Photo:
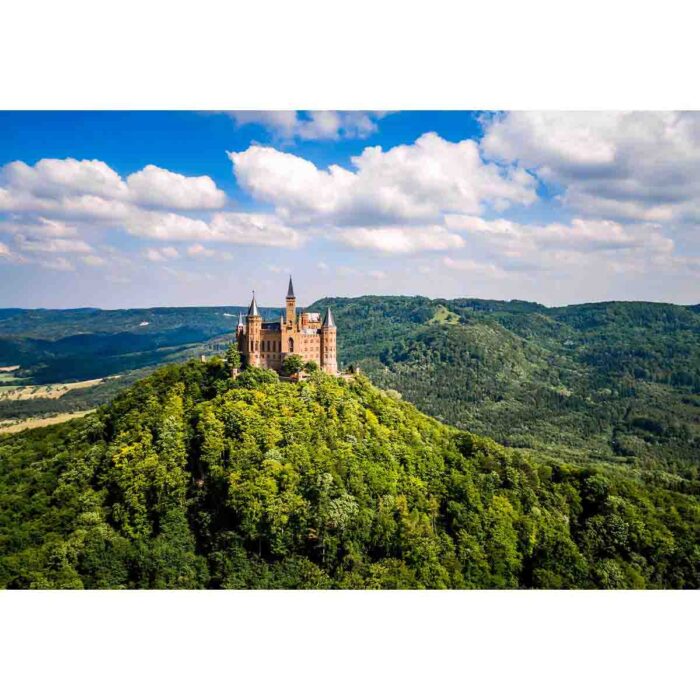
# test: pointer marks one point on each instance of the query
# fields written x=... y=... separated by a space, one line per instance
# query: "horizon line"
x=362 y=296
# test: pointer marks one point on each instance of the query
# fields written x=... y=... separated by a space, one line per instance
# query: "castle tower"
x=266 y=343
x=240 y=335
x=254 y=333
x=291 y=303
x=329 y=361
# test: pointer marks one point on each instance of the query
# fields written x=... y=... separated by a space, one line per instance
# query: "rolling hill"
x=190 y=479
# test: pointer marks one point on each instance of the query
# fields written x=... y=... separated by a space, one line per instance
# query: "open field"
x=443 y=316
x=29 y=423
x=9 y=378
x=9 y=369
x=44 y=391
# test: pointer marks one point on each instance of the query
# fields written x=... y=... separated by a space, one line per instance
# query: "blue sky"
x=118 y=209
x=195 y=143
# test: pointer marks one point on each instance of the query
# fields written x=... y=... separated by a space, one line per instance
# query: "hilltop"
x=189 y=479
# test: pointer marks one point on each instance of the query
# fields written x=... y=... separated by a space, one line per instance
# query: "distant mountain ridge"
x=615 y=383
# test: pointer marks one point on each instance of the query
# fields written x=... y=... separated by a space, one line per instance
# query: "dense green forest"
x=190 y=479
x=609 y=384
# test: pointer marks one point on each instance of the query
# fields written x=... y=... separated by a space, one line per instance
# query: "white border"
x=264 y=644
x=363 y=55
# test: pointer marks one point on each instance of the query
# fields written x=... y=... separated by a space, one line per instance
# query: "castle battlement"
x=266 y=343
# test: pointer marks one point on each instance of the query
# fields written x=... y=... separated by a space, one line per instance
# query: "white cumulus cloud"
x=416 y=182
x=254 y=229
x=54 y=178
x=154 y=186
x=40 y=226
x=626 y=165
x=91 y=189
x=580 y=234
x=399 y=240
x=224 y=227
x=166 y=226
x=312 y=125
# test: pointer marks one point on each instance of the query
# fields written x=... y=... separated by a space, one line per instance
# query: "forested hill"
x=614 y=383
x=189 y=479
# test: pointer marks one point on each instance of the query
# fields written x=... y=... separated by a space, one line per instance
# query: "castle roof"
x=240 y=319
x=253 y=308
x=328 y=320
x=290 y=290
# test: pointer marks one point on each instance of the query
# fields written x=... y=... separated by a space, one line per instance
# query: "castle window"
x=291 y=345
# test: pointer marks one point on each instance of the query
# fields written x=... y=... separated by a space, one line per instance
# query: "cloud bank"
x=539 y=196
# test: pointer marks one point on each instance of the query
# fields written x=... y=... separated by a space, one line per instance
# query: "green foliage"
x=233 y=357
x=311 y=367
x=292 y=364
x=256 y=376
x=190 y=479
x=612 y=384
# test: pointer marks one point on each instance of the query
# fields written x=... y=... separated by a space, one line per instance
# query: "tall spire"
x=240 y=319
x=253 y=308
x=290 y=290
x=328 y=320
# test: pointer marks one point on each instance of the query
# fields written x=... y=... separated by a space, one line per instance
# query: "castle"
x=266 y=344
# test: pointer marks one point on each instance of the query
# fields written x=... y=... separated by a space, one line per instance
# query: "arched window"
x=291 y=345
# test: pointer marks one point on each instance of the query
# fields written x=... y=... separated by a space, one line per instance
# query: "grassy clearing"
x=29 y=423
x=44 y=391
x=443 y=316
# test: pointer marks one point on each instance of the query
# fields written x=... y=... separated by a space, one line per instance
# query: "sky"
x=139 y=209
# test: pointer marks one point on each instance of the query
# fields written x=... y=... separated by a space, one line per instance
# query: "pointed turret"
x=290 y=304
x=328 y=320
x=329 y=360
x=253 y=308
x=240 y=320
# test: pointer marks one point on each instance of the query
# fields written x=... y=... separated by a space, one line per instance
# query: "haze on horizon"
x=143 y=209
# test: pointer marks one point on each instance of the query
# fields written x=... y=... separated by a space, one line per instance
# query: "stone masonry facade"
x=266 y=344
